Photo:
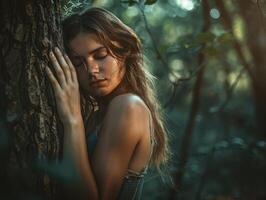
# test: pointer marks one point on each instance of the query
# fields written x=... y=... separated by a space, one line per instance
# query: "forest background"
x=208 y=57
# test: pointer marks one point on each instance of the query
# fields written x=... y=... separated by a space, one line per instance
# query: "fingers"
x=65 y=71
x=72 y=69
x=64 y=65
x=52 y=79
x=59 y=72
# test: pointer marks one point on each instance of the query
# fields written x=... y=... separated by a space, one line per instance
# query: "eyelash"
x=96 y=57
x=100 y=57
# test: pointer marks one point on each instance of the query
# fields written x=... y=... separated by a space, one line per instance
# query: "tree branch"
x=186 y=142
x=227 y=23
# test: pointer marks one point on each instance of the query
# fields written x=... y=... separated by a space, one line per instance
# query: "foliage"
x=70 y=7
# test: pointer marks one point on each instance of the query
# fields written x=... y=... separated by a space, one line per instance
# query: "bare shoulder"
x=127 y=113
x=129 y=103
x=127 y=118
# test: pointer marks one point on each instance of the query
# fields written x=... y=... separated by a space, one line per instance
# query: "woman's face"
x=98 y=71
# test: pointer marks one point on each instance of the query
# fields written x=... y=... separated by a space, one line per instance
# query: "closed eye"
x=100 y=54
x=100 y=57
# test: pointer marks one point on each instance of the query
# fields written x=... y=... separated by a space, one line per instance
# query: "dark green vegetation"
x=209 y=60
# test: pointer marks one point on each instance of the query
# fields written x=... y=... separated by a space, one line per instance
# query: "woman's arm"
x=125 y=121
x=66 y=90
x=75 y=151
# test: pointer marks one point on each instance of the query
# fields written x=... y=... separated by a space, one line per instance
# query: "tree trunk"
x=28 y=121
x=196 y=98
x=253 y=13
x=254 y=17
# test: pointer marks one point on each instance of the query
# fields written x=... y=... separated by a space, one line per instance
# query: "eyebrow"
x=97 y=49
x=91 y=52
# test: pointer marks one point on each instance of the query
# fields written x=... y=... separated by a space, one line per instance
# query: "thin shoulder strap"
x=152 y=137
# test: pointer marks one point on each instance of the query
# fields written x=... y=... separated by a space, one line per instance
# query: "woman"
x=104 y=97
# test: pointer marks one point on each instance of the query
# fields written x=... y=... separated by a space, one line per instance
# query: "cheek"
x=111 y=68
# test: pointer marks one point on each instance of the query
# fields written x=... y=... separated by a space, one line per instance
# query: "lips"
x=97 y=82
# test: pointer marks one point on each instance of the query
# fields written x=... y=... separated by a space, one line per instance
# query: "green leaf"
x=150 y=2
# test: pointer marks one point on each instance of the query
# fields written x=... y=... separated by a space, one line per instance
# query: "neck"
x=104 y=101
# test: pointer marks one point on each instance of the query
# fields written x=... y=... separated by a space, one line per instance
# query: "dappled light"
x=185 y=4
x=208 y=58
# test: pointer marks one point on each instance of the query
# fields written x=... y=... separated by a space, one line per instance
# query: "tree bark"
x=28 y=30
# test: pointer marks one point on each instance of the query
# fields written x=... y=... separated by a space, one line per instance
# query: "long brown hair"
x=112 y=31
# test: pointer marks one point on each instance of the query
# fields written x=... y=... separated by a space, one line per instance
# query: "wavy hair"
x=112 y=31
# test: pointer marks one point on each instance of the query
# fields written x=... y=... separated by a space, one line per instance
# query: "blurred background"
x=209 y=60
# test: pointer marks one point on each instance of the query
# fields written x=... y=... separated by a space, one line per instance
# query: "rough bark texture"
x=28 y=123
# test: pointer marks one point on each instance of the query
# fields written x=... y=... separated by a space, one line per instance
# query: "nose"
x=92 y=66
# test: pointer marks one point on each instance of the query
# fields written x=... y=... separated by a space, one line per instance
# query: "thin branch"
x=231 y=90
x=227 y=23
x=180 y=80
x=186 y=141
x=159 y=55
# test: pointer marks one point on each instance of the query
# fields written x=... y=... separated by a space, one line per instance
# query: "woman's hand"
x=65 y=86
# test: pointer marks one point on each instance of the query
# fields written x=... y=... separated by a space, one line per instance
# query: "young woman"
x=112 y=127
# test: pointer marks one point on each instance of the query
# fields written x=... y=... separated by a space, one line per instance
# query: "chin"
x=100 y=92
